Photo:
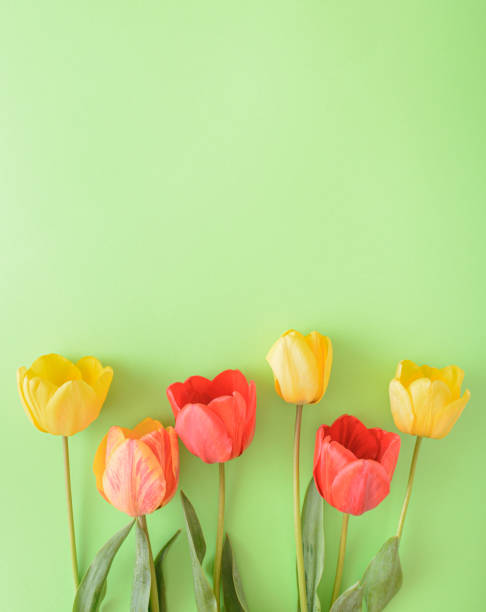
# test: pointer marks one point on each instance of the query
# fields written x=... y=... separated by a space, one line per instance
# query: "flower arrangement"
x=137 y=470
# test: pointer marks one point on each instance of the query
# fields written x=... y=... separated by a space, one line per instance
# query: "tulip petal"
x=249 y=431
x=32 y=411
x=321 y=346
x=329 y=459
x=145 y=427
x=359 y=487
x=401 y=407
x=227 y=382
x=196 y=389
x=389 y=448
x=232 y=412
x=295 y=368
x=72 y=408
x=96 y=375
x=354 y=436
x=428 y=400
x=172 y=476
x=133 y=480
x=54 y=368
x=449 y=415
x=99 y=465
x=453 y=376
x=215 y=445
x=39 y=393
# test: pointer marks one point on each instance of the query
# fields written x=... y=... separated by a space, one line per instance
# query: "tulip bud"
x=301 y=366
x=427 y=401
x=62 y=398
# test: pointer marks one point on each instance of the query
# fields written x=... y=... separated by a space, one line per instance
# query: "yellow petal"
x=406 y=370
x=429 y=398
x=295 y=369
x=321 y=346
x=99 y=464
x=31 y=411
x=452 y=376
x=72 y=408
x=54 y=368
x=449 y=415
x=96 y=375
x=401 y=407
x=145 y=427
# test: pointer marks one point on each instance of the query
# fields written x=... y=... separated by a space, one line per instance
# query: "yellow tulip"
x=62 y=398
x=427 y=401
x=301 y=366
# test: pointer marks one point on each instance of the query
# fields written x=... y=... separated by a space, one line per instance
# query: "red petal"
x=389 y=448
x=195 y=390
x=249 y=429
x=331 y=457
x=227 y=382
x=360 y=486
x=204 y=433
x=351 y=433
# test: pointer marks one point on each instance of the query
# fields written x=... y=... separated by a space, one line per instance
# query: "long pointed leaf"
x=141 y=574
x=205 y=600
x=234 y=597
x=350 y=601
x=383 y=577
x=91 y=590
x=159 y=571
x=313 y=544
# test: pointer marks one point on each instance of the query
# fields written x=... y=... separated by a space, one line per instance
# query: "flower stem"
x=340 y=562
x=219 y=537
x=408 y=494
x=154 y=594
x=297 y=519
x=69 y=498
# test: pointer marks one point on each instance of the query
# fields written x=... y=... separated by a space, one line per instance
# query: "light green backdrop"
x=180 y=182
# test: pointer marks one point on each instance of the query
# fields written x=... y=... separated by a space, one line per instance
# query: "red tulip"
x=215 y=419
x=353 y=465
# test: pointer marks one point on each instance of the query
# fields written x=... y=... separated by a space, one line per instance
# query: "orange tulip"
x=137 y=470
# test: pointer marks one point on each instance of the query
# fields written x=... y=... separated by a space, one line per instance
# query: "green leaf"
x=313 y=544
x=234 y=598
x=141 y=574
x=205 y=600
x=383 y=576
x=349 y=601
x=91 y=591
x=159 y=573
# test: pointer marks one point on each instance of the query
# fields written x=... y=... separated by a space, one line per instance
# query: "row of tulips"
x=137 y=470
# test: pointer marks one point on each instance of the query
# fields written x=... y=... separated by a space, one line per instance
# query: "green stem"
x=297 y=520
x=69 y=498
x=340 y=562
x=219 y=537
x=408 y=494
x=154 y=594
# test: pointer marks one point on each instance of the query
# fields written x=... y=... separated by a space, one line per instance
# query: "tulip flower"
x=425 y=402
x=353 y=468
x=215 y=420
x=137 y=470
x=62 y=399
x=353 y=465
x=301 y=368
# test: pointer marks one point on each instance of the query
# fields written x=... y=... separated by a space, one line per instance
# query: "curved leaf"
x=313 y=544
x=205 y=600
x=350 y=601
x=234 y=597
x=383 y=577
x=91 y=591
x=141 y=574
x=159 y=573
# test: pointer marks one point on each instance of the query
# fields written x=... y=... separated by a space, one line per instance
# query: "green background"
x=180 y=182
